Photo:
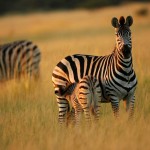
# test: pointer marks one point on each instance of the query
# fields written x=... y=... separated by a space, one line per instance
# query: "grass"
x=28 y=116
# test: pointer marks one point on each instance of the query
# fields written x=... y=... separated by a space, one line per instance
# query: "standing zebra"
x=114 y=72
x=85 y=96
x=20 y=58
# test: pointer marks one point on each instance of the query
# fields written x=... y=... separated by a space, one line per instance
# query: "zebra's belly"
x=120 y=94
x=104 y=100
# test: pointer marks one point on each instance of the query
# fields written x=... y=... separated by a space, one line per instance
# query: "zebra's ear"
x=129 y=21
x=114 y=22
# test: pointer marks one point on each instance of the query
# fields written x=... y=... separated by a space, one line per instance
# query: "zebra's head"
x=123 y=35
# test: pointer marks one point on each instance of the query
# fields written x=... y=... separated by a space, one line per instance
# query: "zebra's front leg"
x=115 y=107
x=63 y=105
x=129 y=104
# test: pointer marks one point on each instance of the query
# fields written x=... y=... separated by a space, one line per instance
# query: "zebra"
x=85 y=96
x=114 y=72
x=19 y=58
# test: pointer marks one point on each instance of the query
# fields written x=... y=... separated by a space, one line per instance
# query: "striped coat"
x=114 y=72
x=85 y=96
x=19 y=58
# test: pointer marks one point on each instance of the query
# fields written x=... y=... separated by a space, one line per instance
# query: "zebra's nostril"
x=126 y=46
x=126 y=50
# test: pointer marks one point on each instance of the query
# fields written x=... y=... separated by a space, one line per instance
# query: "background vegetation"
x=28 y=110
x=9 y=6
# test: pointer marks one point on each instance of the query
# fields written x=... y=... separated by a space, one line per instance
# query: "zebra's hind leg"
x=71 y=117
x=87 y=114
x=84 y=103
x=97 y=104
x=77 y=109
x=63 y=109
x=97 y=112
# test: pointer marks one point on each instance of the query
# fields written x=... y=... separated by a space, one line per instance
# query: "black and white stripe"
x=85 y=96
x=19 y=58
x=114 y=72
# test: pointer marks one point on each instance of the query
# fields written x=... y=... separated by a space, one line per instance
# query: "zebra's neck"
x=122 y=63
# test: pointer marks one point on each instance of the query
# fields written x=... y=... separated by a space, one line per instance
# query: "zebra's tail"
x=64 y=91
x=59 y=90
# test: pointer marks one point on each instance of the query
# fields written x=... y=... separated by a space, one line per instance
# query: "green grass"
x=28 y=110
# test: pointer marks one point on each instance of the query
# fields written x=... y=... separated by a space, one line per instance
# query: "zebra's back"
x=73 y=68
x=19 y=58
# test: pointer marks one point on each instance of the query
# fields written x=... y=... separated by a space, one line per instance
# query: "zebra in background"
x=20 y=58
x=85 y=96
x=114 y=72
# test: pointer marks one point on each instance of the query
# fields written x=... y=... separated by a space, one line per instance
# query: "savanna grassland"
x=28 y=110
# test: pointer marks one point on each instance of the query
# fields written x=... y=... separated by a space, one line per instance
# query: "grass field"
x=28 y=115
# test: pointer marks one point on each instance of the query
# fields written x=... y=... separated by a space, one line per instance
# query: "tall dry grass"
x=28 y=115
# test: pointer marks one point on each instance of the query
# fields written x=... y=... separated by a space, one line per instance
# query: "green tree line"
x=8 y=6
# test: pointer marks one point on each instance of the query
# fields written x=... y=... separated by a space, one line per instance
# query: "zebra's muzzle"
x=126 y=51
